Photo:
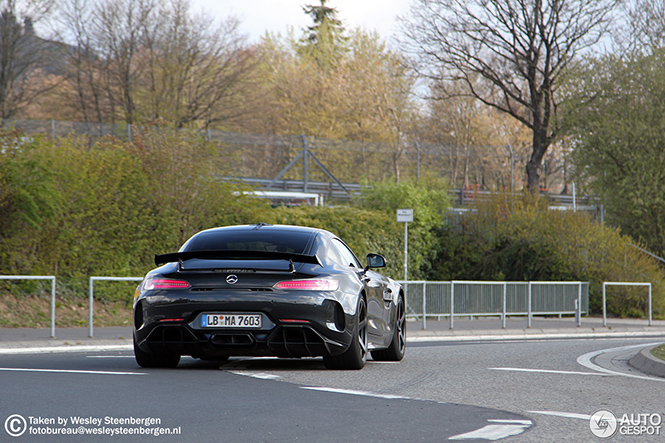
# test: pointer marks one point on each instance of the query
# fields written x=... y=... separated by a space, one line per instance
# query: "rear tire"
x=356 y=356
x=146 y=360
x=395 y=351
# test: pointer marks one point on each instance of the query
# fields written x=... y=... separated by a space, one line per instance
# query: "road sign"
x=405 y=215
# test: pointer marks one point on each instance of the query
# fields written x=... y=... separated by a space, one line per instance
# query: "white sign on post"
x=405 y=216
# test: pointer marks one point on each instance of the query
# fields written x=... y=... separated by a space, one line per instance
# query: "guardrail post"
x=39 y=277
x=528 y=307
x=503 y=313
x=424 y=305
x=577 y=312
x=650 y=307
x=579 y=305
x=90 y=309
x=604 y=305
x=452 y=304
x=53 y=307
x=91 y=295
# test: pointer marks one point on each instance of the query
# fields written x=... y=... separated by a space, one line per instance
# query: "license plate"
x=252 y=321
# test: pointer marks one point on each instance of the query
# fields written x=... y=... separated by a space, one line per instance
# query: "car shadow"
x=273 y=364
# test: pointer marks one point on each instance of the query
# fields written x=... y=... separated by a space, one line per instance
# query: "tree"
x=619 y=141
x=645 y=26
x=25 y=59
x=325 y=41
x=197 y=71
x=509 y=54
x=139 y=60
x=83 y=64
x=364 y=95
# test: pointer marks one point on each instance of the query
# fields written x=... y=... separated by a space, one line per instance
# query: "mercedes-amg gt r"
x=264 y=290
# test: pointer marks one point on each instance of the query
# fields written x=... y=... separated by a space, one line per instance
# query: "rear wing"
x=161 y=259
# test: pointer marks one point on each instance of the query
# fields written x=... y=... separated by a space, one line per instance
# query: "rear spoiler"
x=161 y=259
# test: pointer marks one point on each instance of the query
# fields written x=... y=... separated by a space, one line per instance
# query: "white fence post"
x=53 y=307
x=650 y=308
x=39 y=277
x=503 y=303
x=528 y=314
x=91 y=295
x=604 y=305
x=579 y=305
x=452 y=304
x=424 y=305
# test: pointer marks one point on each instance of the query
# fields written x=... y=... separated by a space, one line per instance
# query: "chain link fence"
x=264 y=155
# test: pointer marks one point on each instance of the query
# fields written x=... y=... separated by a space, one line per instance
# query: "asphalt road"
x=539 y=390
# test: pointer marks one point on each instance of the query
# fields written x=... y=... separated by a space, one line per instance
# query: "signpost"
x=405 y=216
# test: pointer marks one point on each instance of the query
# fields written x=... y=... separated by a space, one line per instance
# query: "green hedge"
x=71 y=210
x=519 y=239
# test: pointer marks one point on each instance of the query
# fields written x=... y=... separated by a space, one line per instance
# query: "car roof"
x=269 y=227
x=288 y=237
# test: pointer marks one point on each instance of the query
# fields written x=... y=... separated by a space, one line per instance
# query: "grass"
x=659 y=352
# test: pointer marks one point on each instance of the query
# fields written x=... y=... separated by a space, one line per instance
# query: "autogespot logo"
x=15 y=425
x=603 y=424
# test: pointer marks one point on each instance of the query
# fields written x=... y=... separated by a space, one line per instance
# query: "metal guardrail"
x=606 y=284
x=450 y=298
x=91 y=295
x=39 y=277
x=477 y=298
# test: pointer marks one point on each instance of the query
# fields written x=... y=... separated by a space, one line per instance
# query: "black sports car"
x=264 y=290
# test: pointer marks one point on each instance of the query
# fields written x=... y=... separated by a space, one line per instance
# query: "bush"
x=519 y=239
x=118 y=203
x=429 y=201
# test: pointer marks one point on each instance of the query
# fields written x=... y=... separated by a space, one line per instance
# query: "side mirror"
x=375 y=261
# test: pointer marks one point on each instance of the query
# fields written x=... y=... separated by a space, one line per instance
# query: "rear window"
x=293 y=242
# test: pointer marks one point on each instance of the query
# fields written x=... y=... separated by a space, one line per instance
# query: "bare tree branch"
x=509 y=54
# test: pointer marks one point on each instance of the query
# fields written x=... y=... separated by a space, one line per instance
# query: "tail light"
x=308 y=285
x=165 y=283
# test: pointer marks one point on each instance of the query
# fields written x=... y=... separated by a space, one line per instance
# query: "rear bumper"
x=313 y=327
x=288 y=341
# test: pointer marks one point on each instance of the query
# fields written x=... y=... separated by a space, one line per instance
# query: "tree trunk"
x=540 y=144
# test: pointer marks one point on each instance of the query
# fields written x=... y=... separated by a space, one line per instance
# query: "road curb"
x=45 y=347
x=535 y=335
x=644 y=361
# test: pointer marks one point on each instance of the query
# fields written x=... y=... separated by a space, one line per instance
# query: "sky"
x=259 y=16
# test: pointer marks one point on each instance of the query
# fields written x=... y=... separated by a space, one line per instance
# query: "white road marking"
x=563 y=414
x=512 y=422
x=260 y=375
x=109 y=356
x=493 y=432
x=59 y=349
x=502 y=428
x=586 y=361
x=549 y=371
x=354 y=392
x=71 y=371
